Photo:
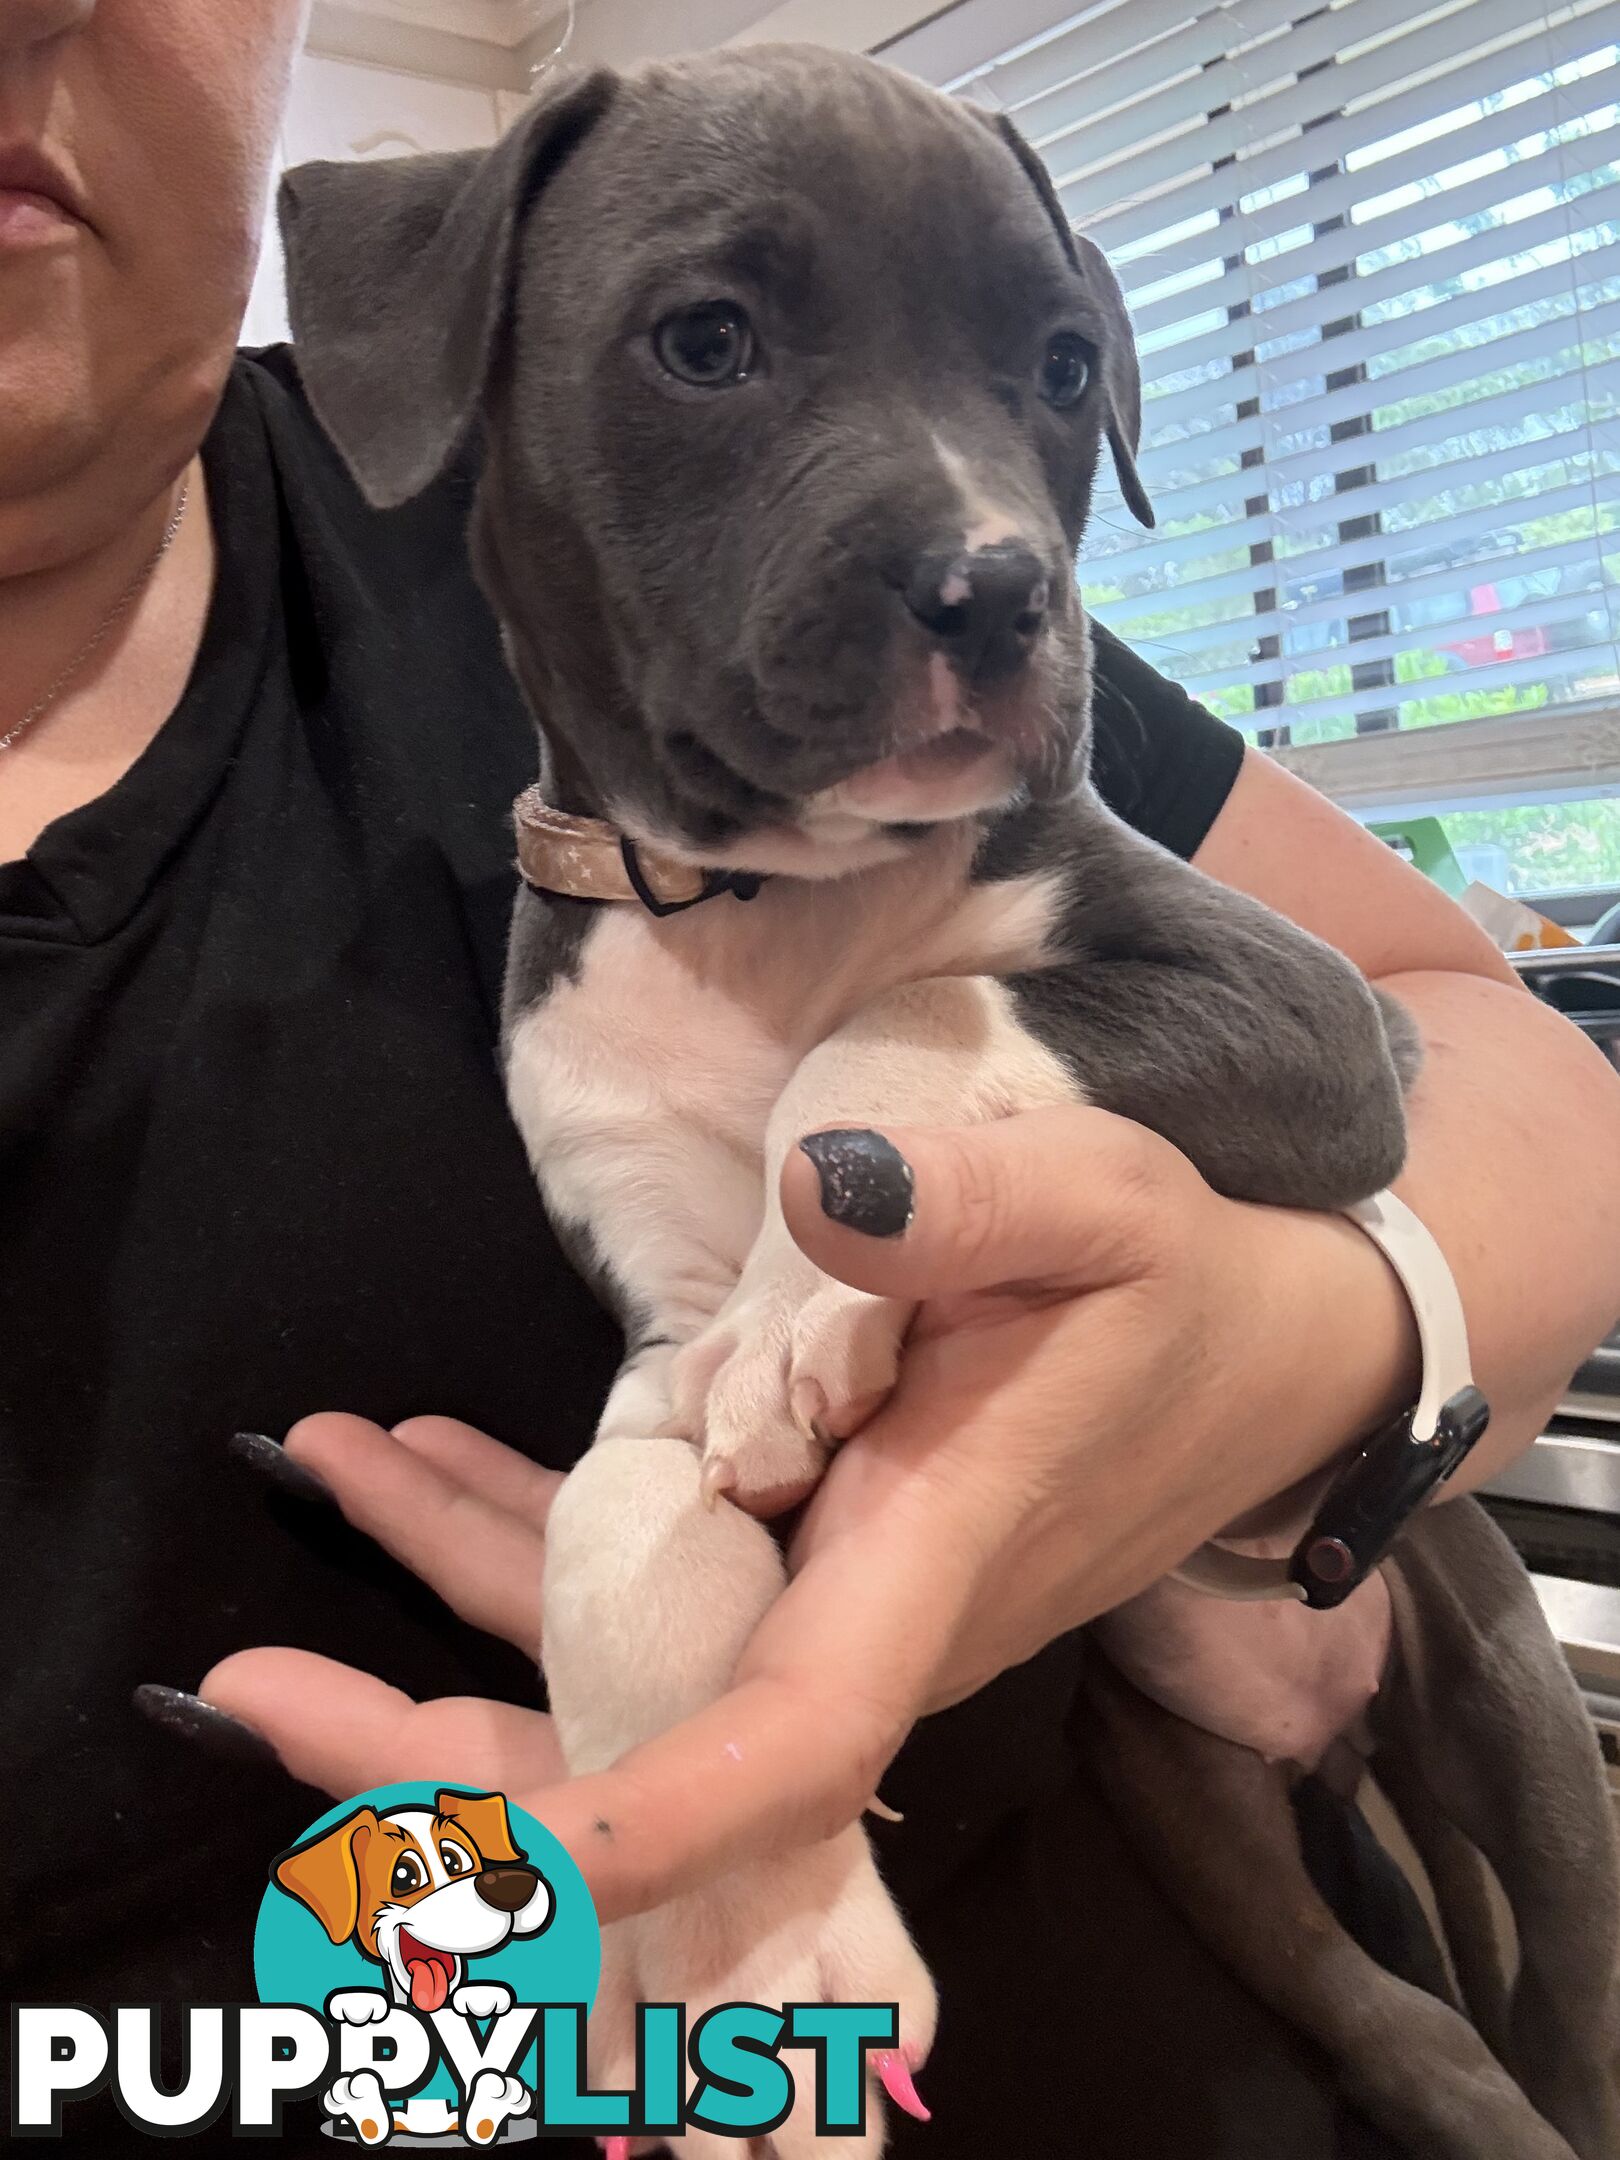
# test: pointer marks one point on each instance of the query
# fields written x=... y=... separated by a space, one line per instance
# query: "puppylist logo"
x=426 y=1962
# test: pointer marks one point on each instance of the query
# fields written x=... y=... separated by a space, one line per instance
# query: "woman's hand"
x=466 y=1514
x=1146 y=1362
x=1111 y=1363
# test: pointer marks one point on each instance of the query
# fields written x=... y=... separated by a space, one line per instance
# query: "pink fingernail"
x=894 y=2075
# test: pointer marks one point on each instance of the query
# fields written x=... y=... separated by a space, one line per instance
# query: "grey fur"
x=1124 y=424
x=412 y=257
x=548 y=936
x=1483 y=1745
x=1252 y=1046
x=699 y=592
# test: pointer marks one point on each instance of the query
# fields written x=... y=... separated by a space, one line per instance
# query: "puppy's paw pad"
x=845 y=1358
x=359 y=2102
x=493 y=2100
x=482 y=1999
x=787 y=1372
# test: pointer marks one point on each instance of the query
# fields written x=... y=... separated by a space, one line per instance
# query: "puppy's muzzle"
x=984 y=611
x=507 y=1889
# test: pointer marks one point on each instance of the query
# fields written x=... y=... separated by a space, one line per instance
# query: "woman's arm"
x=1515 y=1120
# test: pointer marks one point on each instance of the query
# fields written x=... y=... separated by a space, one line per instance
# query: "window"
x=1372 y=251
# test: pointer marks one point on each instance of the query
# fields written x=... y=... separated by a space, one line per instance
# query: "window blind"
x=1372 y=252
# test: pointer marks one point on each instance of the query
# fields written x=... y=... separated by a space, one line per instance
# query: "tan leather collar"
x=586 y=858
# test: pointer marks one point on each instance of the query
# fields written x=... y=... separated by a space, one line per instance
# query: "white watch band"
x=1411 y=1251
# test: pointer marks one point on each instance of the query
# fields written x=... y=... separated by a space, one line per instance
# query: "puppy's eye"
x=711 y=347
x=455 y=1860
x=1065 y=369
x=408 y=1875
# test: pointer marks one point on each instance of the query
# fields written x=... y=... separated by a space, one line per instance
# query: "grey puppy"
x=793 y=381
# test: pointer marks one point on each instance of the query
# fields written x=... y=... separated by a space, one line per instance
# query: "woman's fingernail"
x=218 y=1734
x=866 y=1183
x=894 y=2075
x=272 y=1461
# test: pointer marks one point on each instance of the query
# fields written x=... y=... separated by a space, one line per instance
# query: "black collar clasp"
x=741 y=884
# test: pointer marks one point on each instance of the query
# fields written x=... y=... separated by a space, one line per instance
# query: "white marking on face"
x=449 y=1915
x=985 y=522
x=946 y=707
x=417 y=1823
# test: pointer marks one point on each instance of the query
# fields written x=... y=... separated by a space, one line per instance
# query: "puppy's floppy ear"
x=399 y=276
x=1122 y=375
x=325 y=1873
x=484 y=1818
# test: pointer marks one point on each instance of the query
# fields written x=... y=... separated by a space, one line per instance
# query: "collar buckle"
x=742 y=884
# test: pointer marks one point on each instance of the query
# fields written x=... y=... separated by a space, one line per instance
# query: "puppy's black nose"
x=508 y=1889
x=984 y=610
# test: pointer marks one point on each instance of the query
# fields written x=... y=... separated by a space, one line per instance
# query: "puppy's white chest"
x=649 y=1030
x=643 y=1083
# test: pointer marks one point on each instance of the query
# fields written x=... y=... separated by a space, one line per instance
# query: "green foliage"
x=1550 y=847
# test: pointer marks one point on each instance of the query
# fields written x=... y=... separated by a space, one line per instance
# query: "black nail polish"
x=866 y=1182
x=188 y=1717
x=271 y=1459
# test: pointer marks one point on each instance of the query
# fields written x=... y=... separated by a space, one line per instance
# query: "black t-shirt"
x=255 y=1161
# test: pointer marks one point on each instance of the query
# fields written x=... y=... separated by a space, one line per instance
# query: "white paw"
x=482 y=1999
x=358 y=2006
x=493 y=2100
x=791 y=1364
x=359 y=2102
x=815 y=1926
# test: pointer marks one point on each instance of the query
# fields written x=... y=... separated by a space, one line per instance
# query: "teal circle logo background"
x=295 y=1962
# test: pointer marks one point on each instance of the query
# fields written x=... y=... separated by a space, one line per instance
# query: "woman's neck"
x=91 y=730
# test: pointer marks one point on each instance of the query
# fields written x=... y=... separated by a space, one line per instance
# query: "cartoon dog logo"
x=419 y=1892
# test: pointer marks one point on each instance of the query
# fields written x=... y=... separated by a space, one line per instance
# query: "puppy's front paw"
x=493 y=2100
x=792 y=1364
x=814 y=1926
x=357 y=2006
x=481 y=1999
x=359 y=2102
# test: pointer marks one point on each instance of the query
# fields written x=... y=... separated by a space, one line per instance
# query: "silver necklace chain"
x=114 y=615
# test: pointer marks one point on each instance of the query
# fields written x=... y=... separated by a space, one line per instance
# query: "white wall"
x=342 y=109
x=620 y=31
x=616 y=32
x=851 y=25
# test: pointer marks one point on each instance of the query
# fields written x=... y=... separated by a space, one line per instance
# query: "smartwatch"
x=1394 y=1471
